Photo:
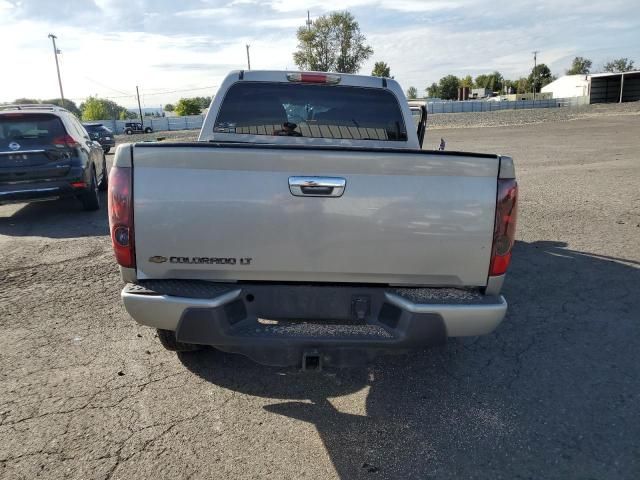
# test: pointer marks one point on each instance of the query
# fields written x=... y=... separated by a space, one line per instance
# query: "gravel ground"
x=553 y=393
x=504 y=118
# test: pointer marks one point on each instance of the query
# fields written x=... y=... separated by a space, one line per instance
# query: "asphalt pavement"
x=554 y=393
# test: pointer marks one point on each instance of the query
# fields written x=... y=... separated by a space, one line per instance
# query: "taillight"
x=65 y=141
x=505 y=226
x=120 y=200
x=313 y=77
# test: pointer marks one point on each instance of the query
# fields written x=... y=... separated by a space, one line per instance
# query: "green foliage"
x=169 y=107
x=412 y=93
x=540 y=76
x=188 y=106
x=482 y=81
x=510 y=86
x=432 y=91
x=333 y=43
x=381 y=69
x=26 y=101
x=448 y=87
x=94 y=108
x=68 y=104
x=580 y=66
x=522 y=85
x=619 y=65
x=466 y=82
x=203 y=102
x=493 y=81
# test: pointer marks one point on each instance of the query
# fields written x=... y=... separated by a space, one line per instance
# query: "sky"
x=174 y=49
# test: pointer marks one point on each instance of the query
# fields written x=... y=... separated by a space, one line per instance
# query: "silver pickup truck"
x=308 y=227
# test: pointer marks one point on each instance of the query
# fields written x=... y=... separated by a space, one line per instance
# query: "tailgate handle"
x=317 y=186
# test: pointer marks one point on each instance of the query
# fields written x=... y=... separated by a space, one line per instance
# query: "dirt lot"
x=553 y=393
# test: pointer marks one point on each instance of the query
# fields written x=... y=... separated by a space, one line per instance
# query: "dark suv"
x=45 y=153
x=135 y=127
x=102 y=135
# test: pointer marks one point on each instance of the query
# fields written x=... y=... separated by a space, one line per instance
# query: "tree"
x=412 y=93
x=204 y=102
x=540 y=76
x=448 y=87
x=432 y=91
x=26 y=101
x=68 y=104
x=466 y=82
x=580 y=66
x=381 y=69
x=510 y=86
x=482 y=81
x=188 y=106
x=522 y=85
x=333 y=43
x=493 y=81
x=94 y=108
x=169 y=107
x=619 y=65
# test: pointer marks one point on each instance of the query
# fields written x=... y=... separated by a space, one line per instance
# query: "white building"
x=568 y=86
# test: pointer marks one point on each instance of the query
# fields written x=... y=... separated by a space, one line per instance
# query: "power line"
x=183 y=90
x=106 y=86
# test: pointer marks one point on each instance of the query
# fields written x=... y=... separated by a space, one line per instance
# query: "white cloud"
x=165 y=45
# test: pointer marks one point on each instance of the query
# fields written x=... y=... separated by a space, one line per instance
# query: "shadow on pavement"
x=63 y=218
x=552 y=393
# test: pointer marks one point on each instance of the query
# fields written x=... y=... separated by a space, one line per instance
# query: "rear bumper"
x=344 y=324
x=18 y=193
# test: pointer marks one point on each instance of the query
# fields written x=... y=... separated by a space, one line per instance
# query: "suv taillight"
x=65 y=141
x=120 y=201
x=505 y=226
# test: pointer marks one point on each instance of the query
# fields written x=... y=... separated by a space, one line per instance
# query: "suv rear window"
x=305 y=110
x=96 y=128
x=29 y=128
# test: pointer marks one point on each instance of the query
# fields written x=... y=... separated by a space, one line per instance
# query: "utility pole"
x=309 y=22
x=535 y=72
x=139 y=107
x=55 y=54
x=248 y=59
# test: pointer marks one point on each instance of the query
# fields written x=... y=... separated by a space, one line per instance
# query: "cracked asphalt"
x=85 y=393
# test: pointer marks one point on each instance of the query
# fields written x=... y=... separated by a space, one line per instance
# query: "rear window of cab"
x=311 y=110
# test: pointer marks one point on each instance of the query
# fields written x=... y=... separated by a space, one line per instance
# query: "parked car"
x=308 y=227
x=102 y=135
x=134 y=127
x=46 y=153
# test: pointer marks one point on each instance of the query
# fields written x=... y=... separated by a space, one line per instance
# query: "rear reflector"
x=313 y=78
x=505 y=226
x=120 y=199
x=78 y=184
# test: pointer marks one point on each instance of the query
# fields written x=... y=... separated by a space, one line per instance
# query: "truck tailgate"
x=226 y=212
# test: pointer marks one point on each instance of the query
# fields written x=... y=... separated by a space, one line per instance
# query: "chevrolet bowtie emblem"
x=157 y=259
